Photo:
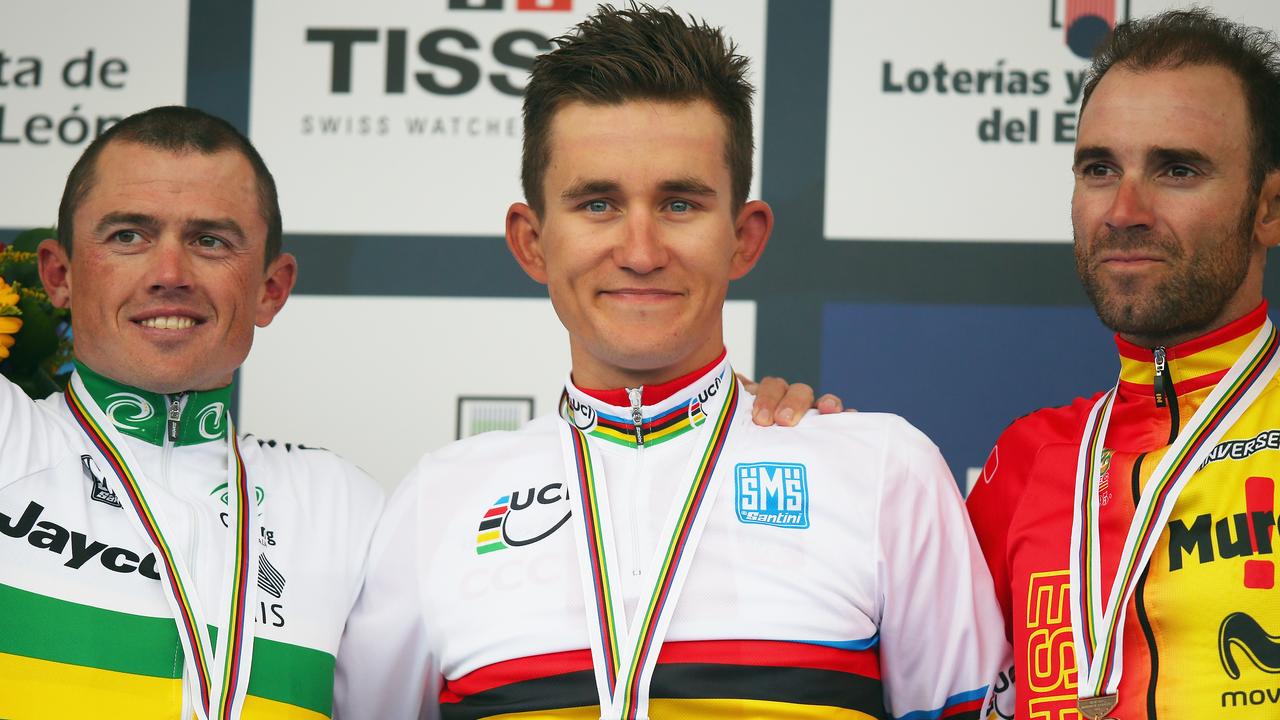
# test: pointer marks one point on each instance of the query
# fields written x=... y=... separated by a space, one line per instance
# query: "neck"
x=653 y=392
x=589 y=372
x=180 y=418
x=1237 y=307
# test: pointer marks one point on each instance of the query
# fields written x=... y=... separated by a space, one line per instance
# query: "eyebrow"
x=583 y=188
x=1155 y=157
x=1165 y=156
x=684 y=186
x=223 y=226
x=1091 y=153
x=150 y=223
x=117 y=219
x=687 y=186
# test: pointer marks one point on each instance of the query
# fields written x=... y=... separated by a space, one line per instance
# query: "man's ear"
x=281 y=274
x=55 y=272
x=751 y=229
x=1267 y=223
x=524 y=240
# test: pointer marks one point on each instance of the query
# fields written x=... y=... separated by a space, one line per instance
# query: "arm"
x=942 y=640
x=384 y=667
x=27 y=433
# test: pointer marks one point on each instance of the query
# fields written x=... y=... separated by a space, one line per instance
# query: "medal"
x=624 y=654
x=1098 y=629
x=1096 y=708
x=217 y=676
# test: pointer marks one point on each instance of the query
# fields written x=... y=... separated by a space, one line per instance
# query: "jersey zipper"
x=1165 y=394
x=636 y=397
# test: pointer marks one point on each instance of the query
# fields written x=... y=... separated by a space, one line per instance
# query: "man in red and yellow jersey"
x=1131 y=534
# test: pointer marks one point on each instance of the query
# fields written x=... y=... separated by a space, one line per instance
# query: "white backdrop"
x=376 y=379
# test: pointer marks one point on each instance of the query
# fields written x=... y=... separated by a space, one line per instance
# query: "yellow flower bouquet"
x=10 y=317
x=35 y=336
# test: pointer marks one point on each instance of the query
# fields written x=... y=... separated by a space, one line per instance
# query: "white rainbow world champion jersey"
x=85 y=630
x=837 y=576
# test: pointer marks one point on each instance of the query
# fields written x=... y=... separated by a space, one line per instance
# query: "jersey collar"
x=666 y=411
x=1193 y=365
x=142 y=414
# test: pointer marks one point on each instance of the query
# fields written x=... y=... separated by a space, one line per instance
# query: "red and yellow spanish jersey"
x=1202 y=632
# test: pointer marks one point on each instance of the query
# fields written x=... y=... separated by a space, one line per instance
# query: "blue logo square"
x=774 y=494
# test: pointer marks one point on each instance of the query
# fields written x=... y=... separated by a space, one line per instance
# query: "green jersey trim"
x=152 y=417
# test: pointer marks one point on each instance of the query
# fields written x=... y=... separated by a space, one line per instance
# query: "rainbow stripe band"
x=599 y=561
x=231 y=681
x=626 y=672
x=1087 y=551
x=658 y=601
x=240 y=579
x=1098 y=634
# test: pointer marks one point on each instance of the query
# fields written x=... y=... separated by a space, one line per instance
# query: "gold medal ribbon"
x=1098 y=630
x=219 y=676
x=625 y=655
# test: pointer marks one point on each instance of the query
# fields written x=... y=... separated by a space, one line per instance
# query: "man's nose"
x=170 y=265
x=641 y=249
x=1130 y=205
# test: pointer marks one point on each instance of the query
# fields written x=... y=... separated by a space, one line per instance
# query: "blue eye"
x=681 y=206
x=597 y=206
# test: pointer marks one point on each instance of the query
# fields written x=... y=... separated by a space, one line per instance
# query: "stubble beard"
x=1190 y=296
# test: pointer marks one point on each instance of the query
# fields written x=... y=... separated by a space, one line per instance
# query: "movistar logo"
x=1241 y=634
x=124 y=408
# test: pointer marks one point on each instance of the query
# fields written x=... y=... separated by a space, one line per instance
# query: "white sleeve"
x=27 y=434
x=384 y=668
x=942 y=638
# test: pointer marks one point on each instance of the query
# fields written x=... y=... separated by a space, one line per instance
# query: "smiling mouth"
x=168 y=322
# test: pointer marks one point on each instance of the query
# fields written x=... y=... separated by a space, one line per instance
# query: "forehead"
x=1200 y=107
x=130 y=177
x=639 y=140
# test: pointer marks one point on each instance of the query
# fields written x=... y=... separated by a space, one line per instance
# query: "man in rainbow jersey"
x=649 y=552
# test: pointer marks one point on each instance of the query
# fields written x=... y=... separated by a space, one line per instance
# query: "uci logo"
x=522 y=518
x=710 y=391
x=582 y=415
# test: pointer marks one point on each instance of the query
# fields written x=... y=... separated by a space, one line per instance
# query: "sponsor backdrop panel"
x=403 y=116
x=384 y=396
x=962 y=373
x=68 y=70
x=967 y=110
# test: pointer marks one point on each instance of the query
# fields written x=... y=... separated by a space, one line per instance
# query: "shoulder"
x=1049 y=425
x=852 y=433
x=309 y=471
x=1007 y=469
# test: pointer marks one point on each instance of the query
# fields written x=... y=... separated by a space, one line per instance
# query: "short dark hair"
x=180 y=130
x=1198 y=37
x=638 y=53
